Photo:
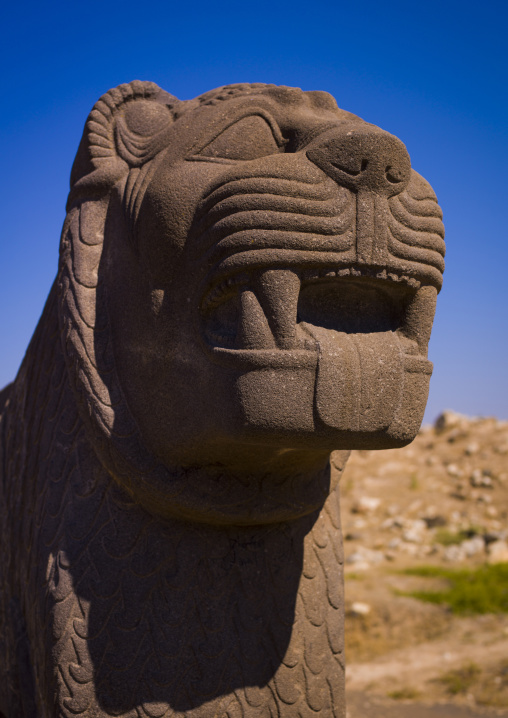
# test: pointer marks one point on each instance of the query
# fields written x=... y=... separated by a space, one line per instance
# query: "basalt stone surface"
x=247 y=282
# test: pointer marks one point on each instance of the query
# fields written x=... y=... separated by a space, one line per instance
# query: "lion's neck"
x=202 y=621
x=149 y=618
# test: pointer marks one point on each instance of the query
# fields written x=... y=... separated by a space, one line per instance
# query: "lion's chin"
x=281 y=488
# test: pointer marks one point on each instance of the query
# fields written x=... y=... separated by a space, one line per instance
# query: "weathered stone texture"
x=247 y=282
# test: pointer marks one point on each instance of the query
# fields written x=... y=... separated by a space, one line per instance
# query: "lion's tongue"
x=359 y=378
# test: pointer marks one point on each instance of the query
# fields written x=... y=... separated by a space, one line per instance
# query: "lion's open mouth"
x=294 y=308
x=356 y=330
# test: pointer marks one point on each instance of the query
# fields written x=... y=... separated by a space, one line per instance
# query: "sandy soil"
x=361 y=705
x=400 y=508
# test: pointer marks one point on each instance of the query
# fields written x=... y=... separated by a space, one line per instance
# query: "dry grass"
x=392 y=624
x=488 y=686
x=460 y=680
x=406 y=693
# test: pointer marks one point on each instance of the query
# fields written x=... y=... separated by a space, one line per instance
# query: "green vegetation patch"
x=470 y=591
x=488 y=686
x=445 y=537
x=407 y=693
x=461 y=679
x=414 y=484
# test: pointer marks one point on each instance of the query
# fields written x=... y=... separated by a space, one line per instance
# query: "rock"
x=352 y=536
x=453 y=470
x=433 y=522
x=473 y=546
x=497 y=552
x=359 y=523
x=363 y=554
x=358 y=566
x=413 y=533
x=454 y=554
x=481 y=479
x=460 y=491
x=492 y=536
x=449 y=420
x=472 y=448
x=391 y=523
x=358 y=608
x=412 y=536
x=366 y=505
x=455 y=435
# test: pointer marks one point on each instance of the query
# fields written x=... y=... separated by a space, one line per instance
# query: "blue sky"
x=432 y=73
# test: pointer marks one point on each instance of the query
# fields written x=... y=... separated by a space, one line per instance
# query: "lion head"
x=247 y=282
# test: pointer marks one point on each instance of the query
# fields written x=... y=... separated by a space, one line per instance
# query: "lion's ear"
x=125 y=129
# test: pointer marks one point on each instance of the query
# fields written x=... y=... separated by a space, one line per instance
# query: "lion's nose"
x=362 y=157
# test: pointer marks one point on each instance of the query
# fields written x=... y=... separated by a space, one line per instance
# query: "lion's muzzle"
x=336 y=278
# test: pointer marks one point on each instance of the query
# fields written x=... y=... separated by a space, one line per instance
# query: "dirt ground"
x=442 y=501
x=361 y=705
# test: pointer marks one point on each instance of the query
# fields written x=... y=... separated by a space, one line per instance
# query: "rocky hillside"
x=440 y=502
x=452 y=480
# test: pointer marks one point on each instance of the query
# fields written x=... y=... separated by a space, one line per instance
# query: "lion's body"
x=107 y=611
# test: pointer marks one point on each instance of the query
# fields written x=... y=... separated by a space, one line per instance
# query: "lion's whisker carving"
x=319 y=191
x=249 y=201
x=237 y=248
x=170 y=523
x=281 y=204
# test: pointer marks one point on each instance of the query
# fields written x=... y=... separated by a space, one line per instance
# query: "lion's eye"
x=248 y=139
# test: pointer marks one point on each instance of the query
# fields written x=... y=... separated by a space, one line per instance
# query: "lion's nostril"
x=363 y=158
x=354 y=172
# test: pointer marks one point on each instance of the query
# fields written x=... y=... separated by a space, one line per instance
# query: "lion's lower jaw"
x=360 y=391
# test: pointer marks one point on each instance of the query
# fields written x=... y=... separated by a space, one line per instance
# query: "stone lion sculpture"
x=247 y=282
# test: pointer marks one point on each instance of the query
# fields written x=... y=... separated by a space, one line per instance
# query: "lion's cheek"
x=182 y=408
x=167 y=212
